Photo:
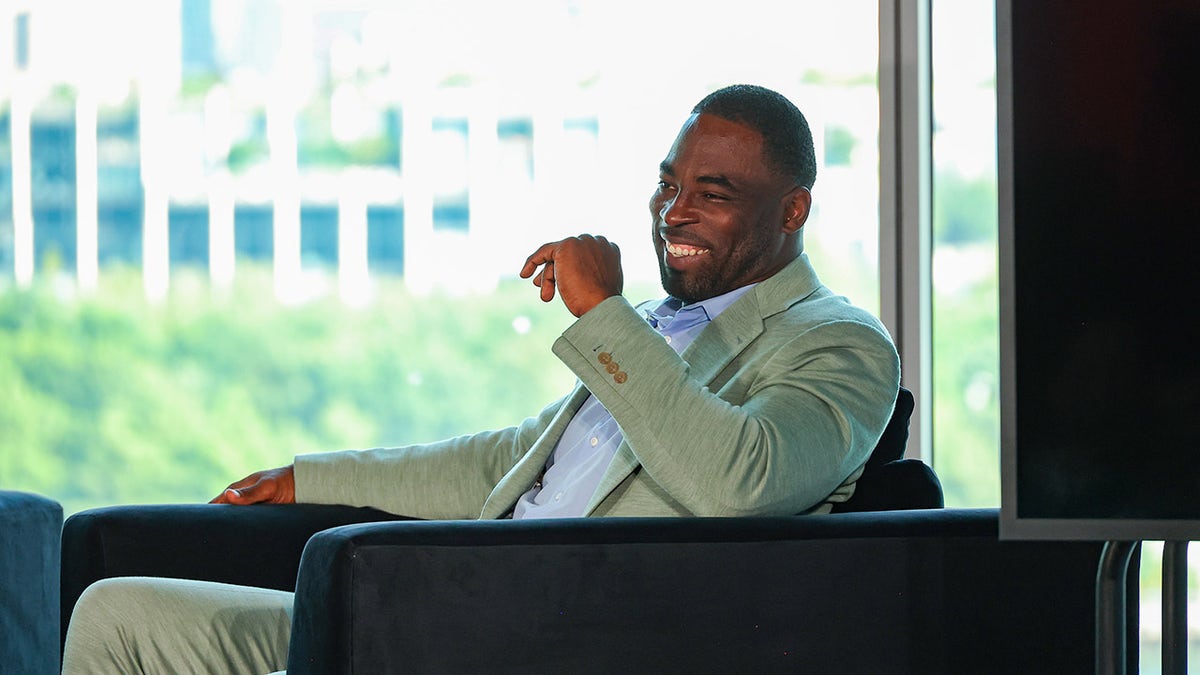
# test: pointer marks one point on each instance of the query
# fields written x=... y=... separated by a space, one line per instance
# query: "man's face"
x=721 y=216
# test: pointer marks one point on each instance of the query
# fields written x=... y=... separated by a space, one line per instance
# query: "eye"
x=664 y=186
x=713 y=196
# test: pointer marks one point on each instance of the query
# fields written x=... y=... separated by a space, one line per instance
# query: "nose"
x=674 y=211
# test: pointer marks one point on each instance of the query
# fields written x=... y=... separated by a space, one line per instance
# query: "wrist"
x=595 y=301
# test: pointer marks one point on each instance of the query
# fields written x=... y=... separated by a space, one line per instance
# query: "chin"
x=672 y=283
x=679 y=286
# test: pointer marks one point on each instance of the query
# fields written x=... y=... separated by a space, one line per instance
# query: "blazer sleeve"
x=448 y=479
x=807 y=419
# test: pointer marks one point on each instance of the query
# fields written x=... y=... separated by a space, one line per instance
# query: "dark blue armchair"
x=890 y=583
x=30 y=526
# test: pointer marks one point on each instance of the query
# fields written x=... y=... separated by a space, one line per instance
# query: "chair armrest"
x=29 y=561
x=896 y=485
x=248 y=545
x=904 y=591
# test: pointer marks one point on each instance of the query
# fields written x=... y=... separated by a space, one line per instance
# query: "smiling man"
x=751 y=389
x=720 y=223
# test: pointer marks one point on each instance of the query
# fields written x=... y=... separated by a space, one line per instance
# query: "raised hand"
x=585 y=270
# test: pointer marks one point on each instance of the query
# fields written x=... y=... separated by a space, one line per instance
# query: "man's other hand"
x=273 y=486
x=586 y=270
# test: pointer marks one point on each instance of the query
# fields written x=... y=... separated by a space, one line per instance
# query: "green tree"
x=107 y=399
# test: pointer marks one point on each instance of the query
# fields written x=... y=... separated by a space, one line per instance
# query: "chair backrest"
x=890 y=482
x=30 y=556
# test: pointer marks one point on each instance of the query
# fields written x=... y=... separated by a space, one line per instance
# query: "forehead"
x=709 y=143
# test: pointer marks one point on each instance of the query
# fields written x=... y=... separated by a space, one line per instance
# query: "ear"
x=796 y=207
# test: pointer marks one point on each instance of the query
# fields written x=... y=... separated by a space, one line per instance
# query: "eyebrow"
x=718 y=180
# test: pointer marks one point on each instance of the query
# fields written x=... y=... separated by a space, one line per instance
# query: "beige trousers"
x=145 y=625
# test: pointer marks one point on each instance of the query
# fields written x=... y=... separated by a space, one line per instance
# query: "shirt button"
x=595 y=441
x=667 y=338
x=558 y=497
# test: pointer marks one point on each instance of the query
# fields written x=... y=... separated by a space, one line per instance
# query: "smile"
x=684 y=251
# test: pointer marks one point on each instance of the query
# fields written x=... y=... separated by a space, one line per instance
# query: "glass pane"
x=259 y=228
x=966 y=330
x=966 y=412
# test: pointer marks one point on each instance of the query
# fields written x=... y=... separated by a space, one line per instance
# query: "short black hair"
x=787 y=140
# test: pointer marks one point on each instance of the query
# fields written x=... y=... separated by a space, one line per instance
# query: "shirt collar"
x=672 y=309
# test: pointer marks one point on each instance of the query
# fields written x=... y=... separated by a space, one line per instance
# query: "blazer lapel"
x=735 y=328
x=623 y=463
x=722 y=340
x=719 y=344
x=527 y=469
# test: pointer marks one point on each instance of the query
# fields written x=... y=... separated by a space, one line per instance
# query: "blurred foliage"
x=966 y=390
x=964 y=209
x=108 y=399
x=198 y=84
x=318 y=147
x=250 y=147
x=966 y=341
x=839 y=145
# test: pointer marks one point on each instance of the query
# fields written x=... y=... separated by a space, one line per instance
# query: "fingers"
x=227 y=496
x=582 y=270
x=545 y=281
x=231 y=493
x=254 y=494
x=275 y=486
x=250 y=490
x=543 y=257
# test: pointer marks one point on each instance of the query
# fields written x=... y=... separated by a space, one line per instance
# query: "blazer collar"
x=741 y=322
x=790 y=285
x=720 y=342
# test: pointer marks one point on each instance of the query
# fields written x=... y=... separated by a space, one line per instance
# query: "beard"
x=688 y=286
x=746 y=262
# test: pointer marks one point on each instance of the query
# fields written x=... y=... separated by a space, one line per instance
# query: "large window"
x=232 y=231
x=965 y=335
x=965 y=350
x=237 y=230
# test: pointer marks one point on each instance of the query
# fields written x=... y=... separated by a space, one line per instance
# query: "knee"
x=106 y=599
x=98 y=599
x=96 y=623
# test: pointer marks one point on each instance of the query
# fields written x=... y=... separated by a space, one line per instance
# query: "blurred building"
x=339 y=141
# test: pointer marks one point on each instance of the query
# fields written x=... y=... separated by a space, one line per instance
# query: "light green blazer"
x=772 y=410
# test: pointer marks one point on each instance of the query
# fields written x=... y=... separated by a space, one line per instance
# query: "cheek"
x=725 y=233
x=656 y=205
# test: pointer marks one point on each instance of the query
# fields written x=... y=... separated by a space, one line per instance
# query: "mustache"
x=678 y=235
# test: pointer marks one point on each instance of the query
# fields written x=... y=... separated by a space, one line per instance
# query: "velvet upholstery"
x=30 y=531
x=890 y=481
x=896 y=592
x=250 y=546
x=918 y=591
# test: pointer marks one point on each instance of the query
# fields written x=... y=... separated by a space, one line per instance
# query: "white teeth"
x=684 y=251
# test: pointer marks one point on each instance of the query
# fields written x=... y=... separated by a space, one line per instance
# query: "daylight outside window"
x=965 y=298
x=232 y=231
x=966 y=360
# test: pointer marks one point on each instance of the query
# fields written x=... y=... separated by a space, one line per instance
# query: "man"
x=750 y=390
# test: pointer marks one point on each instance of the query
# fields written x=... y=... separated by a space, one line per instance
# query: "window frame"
x=905 y=203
